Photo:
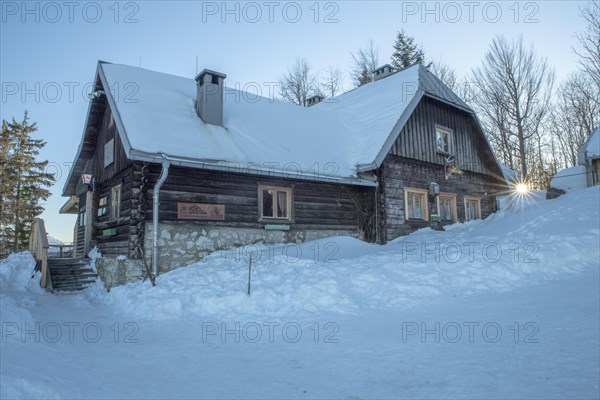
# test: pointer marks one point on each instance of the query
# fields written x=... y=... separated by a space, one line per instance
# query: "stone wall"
x=119 y=271
x=185 y=243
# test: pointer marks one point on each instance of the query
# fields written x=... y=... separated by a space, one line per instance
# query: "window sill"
x=265 y=220
x=277 y=227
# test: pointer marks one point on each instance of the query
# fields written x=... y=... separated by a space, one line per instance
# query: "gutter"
x=248 y=168
x=366 y=167
x=155 y=203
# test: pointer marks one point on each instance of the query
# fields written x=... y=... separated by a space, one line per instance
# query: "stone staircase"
x=70 y=274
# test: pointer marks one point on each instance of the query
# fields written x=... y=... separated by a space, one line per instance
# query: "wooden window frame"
x=478 y=201
x=290 y=203
x=115 y=202
x=450 y=135
x=425 y=203
x=452 y=197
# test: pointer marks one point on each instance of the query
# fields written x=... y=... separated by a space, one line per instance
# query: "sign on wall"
x=214 y=212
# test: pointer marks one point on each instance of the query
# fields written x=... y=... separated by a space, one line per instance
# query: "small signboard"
x=213 y=212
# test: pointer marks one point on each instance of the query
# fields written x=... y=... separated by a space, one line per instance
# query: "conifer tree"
x=406 y=52
x=23 y=184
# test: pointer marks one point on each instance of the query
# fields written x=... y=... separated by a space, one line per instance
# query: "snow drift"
x=538 y=241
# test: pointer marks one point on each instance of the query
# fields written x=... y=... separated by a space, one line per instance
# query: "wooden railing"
x=65 y=250
x=38 y=246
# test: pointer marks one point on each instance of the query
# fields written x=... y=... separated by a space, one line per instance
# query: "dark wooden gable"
x=417 y=139
x=107 y=132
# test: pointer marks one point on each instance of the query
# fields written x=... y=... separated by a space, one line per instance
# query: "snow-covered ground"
x=507 y=307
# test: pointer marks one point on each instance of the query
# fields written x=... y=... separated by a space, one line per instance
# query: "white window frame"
x=109 y=152
x=115 y=202
x=452 y=198
x=442 y=130
x=424 y=203
x=476 y=200
x=289 y=202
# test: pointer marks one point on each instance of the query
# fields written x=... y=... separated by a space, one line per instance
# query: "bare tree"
x=298 y=83
x=333 y=82
x=576 y=114
x=444 y=73
x=365 y=61
x=589 y=41
x=514 y=88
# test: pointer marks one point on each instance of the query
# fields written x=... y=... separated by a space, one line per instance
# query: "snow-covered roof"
x=593 y=145
x=590 y=149
x=333 y=140
x=570 y=178
x=509 y=175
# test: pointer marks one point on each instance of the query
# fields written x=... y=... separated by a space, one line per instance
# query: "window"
x=472 y=208
x=81 y=221
x=447 y=206
x=275 y=202
x=109 y=152
x=115 y=202
x=415 y=201
x=443 y=138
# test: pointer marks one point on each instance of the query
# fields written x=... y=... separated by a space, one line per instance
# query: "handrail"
x=38 y=246
x=64 y=250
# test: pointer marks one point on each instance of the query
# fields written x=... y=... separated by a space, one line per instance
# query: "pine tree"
x=24 y=183
x=406 y=52
x=6 y=185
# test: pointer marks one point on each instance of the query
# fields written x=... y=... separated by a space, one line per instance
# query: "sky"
x=49 y=50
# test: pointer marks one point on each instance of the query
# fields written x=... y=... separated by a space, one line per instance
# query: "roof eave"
x=224 y=166
x=67 y=189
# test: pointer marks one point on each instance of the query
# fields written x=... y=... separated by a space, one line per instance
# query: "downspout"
x=377 y=213
x=155 y=203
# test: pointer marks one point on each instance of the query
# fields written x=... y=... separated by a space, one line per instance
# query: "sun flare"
x=522 y=188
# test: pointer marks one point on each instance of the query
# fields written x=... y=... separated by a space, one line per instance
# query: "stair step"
x=69 y=289
x=70 y=271
x=67 y=265
x=71 y=274
x=67 y=260
x=72 y=278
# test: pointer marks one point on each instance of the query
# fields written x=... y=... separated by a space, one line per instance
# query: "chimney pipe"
x=383 y=71
x=209 y=96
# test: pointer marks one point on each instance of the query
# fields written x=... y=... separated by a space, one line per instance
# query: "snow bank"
x=17 y=387
x=15 y=273
x=570 y=178
x=15 y=283
x=536 y=242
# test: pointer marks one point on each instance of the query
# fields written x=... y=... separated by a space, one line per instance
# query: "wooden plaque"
x=214 y=212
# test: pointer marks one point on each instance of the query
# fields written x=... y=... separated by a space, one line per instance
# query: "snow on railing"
x=38 y=246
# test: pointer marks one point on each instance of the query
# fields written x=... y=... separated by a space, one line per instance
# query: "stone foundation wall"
x=182 y=244
x=119 y=271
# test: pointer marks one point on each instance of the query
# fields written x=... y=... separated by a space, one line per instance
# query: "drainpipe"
x=155 y=203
